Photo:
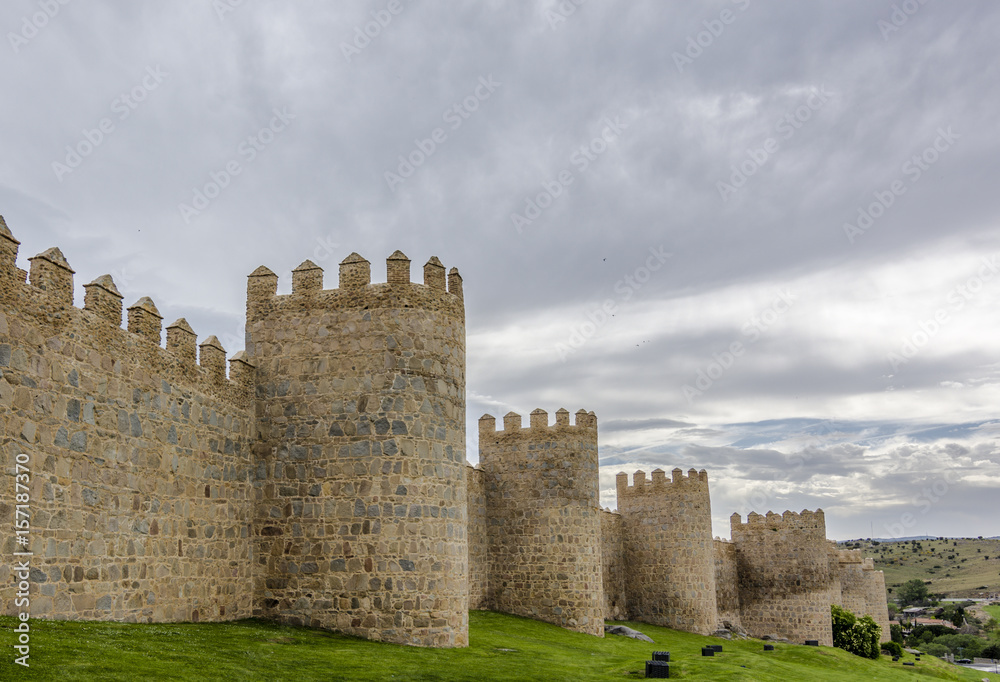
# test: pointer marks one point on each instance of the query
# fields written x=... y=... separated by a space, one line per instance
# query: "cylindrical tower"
x=669 y=552
x=543 y=519
x=360 y=472
x=785 y=576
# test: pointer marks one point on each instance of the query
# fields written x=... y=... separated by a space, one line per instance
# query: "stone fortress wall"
x=140 y=463
x=324 y=482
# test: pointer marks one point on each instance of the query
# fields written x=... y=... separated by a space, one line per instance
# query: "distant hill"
x=952 y=567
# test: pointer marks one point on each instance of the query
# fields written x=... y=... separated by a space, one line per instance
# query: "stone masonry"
x=322 y=479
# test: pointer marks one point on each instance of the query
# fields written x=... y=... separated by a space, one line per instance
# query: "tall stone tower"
x=360 y=475
x=668 y=546
x=785 y=575
x=543 y=519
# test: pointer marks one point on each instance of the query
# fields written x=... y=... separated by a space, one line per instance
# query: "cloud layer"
x=755 y=239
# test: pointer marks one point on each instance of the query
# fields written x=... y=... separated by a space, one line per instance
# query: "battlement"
x=356 y=288
x=49 y=287
x=659 y=484
x=812 y=522
x=538 y=419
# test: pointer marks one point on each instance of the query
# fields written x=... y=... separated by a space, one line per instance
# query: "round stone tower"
x=669 y=551
x=785 y=577
x=543 y=519
x=360 y=469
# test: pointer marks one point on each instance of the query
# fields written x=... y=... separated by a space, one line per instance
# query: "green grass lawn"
x=994 y=611
x=502 y=648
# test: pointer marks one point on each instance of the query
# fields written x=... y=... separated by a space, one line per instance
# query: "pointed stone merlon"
x=538 y=419
x=586 y=419
x=562 y=417
x=621 y=483
x=307 y=277
x=52 y=274
x=212 y=357
x=262 y=287
x=397 y=268
x=145 y=320
x=241 y=370
x=512 y=421
x=434 y=274
x=355 y=272
x=102 y=298
x=487 y=430
x=8 y=252
x=262 y=284
x=182 y=341
x=455 y=283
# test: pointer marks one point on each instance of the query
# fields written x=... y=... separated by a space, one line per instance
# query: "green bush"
x=892 y=648
x=934 y=649
x=859 y=636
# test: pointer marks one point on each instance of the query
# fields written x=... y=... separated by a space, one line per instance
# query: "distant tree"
x=896 y=633
x=912 y=592
x=958 y=617
x=991 y=651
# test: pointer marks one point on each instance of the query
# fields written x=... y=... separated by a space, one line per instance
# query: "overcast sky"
x=756 y=238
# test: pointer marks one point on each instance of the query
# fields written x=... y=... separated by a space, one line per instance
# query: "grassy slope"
x=994 y=611
x=502 y=648
x=954 y=578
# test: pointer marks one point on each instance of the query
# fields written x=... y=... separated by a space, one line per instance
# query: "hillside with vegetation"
x=952 y=568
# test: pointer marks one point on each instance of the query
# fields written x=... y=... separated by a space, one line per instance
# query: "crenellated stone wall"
x=140 y=492
x=727 y=593
x=613 y=566
x=322 y=480
x=478 y=556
